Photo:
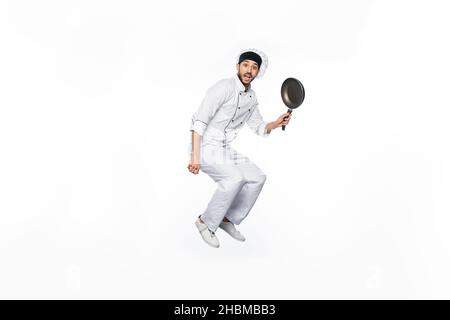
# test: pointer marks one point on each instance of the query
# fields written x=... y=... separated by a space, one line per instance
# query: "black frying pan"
x=292 y=93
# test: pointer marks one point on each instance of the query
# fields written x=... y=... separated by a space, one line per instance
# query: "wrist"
x=271 y=125
x=195 y=159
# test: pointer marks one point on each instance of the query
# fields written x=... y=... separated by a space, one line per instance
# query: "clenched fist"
x=283 y=120
x=194 y=168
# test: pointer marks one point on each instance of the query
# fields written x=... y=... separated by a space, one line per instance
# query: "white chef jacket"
x=221 y=115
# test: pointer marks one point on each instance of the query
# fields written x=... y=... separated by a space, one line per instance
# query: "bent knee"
x=262 y=178
x=259 y=179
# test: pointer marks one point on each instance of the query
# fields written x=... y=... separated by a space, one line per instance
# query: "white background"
x=96 y=100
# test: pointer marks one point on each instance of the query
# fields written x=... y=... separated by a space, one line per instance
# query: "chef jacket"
x=225 y=108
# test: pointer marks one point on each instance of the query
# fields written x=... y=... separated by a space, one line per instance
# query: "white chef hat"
x=264 y=60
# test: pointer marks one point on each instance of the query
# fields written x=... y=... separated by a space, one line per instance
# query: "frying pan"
x=292 y=94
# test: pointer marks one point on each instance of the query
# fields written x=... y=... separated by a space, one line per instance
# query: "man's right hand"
x=194 y=161
x=194 y=168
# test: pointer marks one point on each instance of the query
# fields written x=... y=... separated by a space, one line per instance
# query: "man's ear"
x=237 y=67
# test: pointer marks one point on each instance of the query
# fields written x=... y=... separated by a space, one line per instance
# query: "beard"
x=243 y=77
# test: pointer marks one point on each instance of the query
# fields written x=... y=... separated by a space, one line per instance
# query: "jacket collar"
x=240 y=85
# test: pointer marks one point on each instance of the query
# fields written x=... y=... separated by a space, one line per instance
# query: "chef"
x=227 y=106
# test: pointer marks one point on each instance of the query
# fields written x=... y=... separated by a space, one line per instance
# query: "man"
x=229 y=104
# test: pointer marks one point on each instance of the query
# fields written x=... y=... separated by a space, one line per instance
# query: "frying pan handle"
x=283 y=127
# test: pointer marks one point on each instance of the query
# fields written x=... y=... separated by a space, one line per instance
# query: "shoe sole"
x=240 y=240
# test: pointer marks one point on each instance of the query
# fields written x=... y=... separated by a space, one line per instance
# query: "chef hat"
x=264 y=59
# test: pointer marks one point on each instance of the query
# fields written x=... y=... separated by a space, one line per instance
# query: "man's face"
x=247 y=71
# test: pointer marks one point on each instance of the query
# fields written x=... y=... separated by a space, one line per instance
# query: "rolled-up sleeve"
x=214 y=98
x=256 y=123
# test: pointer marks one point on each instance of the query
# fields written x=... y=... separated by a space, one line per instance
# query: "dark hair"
x=250 y=55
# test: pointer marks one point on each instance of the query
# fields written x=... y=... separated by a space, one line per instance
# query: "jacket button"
x=239 y=107
x=232 y=120
x=248 y=110
x=241 y=122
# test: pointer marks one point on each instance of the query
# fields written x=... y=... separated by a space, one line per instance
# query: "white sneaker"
x=207 y=235
x=231 y=230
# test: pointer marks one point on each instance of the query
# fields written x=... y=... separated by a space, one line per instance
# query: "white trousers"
x=238 y=187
